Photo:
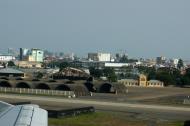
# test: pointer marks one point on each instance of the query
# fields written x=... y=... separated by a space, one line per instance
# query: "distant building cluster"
x=38 y=58
x=34 y=57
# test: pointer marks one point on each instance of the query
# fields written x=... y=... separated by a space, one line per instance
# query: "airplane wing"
x=22 y=115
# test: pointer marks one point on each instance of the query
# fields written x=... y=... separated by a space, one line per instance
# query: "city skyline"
x=63 y=54
x=140 y=28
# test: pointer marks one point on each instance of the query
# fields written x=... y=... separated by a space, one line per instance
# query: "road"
x=135 y=110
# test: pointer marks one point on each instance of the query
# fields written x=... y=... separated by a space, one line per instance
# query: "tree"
x=53 y=64
x=117 y=56
x=95 y=72
x=63 y=65
x=170 y=76
x=152 y=75
x=185 y=81
x=180 y=64
x=132 y=60
x=39 y=75
x=187 y=72
x=110 y=74
x=112 y=77
x=166 y=78
x=124 y=59
x=11 y=63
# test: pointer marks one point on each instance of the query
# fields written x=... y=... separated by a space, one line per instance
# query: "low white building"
x=100 y=57
x=117 y=65
x=6 y=58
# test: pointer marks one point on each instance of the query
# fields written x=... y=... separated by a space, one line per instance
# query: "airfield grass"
x=106 y=119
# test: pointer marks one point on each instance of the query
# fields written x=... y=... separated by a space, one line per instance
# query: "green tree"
x=125 y=70
x=117 y=56
x=11 y=63
x=187 y=72
x=95 y=72
x=180 y=64
x=110 y=74
x=39 y=75
x=185 y=81
x=170 y=76
x=166 y=78
x=124 y=59
x=151 y=75
x=53 y=64
x=63 y=65
x=132 y=60
x=112 y=77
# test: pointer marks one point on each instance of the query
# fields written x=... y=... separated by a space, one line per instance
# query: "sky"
x=141 y=28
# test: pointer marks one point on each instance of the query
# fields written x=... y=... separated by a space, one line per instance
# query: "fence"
x=186 y=101
x=37 y=91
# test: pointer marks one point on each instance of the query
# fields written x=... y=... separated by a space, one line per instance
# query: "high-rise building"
x=24 y=53
x=37 y=55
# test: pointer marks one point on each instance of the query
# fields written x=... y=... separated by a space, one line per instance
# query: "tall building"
x=37 y=55
x=101 y=57
x=23 y=53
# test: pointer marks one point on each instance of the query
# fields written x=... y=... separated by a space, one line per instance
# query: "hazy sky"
x=142 y=28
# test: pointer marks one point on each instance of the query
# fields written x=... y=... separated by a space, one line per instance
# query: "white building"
x=69 y=56
x=174 y=62
x=101 y=57
x=6 y=58
x=116 y=65
x=37 y=55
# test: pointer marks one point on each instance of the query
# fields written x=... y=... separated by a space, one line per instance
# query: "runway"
x=132 y=109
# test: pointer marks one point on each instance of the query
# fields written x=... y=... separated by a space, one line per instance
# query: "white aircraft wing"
x=22 y=115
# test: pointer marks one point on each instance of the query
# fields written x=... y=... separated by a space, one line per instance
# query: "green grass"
x=93 y=119
x=105 y=119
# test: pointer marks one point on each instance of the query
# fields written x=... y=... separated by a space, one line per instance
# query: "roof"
x=131 y=80
x=153 y=81
x=5 y=54
x=11 y=70
x=4 y=106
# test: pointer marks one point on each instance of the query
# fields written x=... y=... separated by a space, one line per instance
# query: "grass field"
x=106 y=119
